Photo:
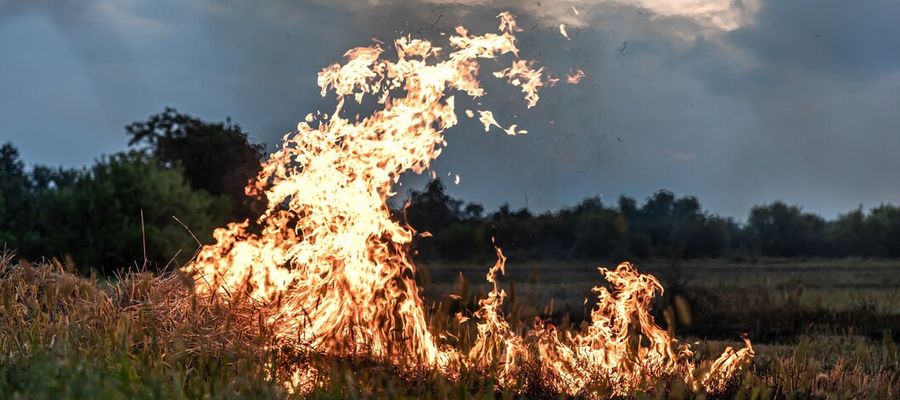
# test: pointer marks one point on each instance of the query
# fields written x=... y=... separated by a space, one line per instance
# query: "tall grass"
x=63 y=336
x=145 y=336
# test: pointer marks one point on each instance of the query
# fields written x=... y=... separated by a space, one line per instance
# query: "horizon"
x=402 y=195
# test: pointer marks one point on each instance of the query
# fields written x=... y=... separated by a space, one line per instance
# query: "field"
x=820 y=330
x=772 y=300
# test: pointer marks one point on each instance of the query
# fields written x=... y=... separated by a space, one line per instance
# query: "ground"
x=821 y=329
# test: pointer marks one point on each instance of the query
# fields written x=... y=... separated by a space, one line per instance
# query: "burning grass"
x=333 y=270
x=141 y=336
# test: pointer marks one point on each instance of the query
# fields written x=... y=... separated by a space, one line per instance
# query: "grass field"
x=820 y=330
x=770 y=299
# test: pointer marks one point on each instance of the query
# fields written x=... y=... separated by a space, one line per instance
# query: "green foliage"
x=197 y=171
x=786 y=231
x=14 y=194
x=215 y=156
x=877 y=233
x=95 y=216
x=664 y=226
x=107 y=216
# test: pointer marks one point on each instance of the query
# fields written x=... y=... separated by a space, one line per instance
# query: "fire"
x=562 y=31
x=574 y=77
x=333 y=268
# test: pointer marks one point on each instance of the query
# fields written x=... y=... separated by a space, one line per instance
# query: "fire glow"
x=333 y=268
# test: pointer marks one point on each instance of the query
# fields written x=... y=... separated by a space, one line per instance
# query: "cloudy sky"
x=739 y=102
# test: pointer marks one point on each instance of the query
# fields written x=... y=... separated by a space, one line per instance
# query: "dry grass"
x=62 y=336
x=772 y=300
x=143 y=336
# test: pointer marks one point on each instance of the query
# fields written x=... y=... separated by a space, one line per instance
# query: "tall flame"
x=333 y=268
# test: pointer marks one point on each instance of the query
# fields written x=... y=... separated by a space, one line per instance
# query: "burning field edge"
x=144 y=336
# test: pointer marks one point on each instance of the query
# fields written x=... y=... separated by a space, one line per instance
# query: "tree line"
x=663 y=226
x=148 y=207
x=153 y=204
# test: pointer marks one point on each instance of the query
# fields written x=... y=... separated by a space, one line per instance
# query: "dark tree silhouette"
x=786 y=231
x=15 y=199
x=433 y=209
x=198 y=170
x=216 y=157
x=104 y=216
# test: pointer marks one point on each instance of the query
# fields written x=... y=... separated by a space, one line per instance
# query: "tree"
x=876 y=234
x=514 y=231
x=433 y=209
x=15 y=202
x=96 y=218
x=786 y=231
x=216 y=157
x=884 y=227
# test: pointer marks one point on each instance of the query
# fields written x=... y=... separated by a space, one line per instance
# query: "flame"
x=487 y=119
x=562 y=31
x=333 y=268
x=573 y=78
x=523 y=75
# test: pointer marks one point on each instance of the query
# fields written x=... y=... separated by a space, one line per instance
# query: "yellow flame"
x=333 y=268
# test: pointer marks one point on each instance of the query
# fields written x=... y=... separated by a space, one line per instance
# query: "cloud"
x=738 y=102
x=855 y=39
x=722 y=15
x=662 y=75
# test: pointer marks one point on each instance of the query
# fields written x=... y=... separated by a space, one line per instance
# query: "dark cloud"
x=818 y=81
x=851 y=39
x=70 y=72
x=768 y=111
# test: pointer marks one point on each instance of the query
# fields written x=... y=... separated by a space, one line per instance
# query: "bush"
x=95 y=216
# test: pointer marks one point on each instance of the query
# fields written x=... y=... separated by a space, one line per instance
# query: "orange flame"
x=333 y=268
x=573 y=78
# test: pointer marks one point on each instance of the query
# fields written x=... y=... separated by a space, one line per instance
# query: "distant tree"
x=432 y=209
x=473 y=212
x=217 y=157
x=847 y=235
x=15 y=195
x=856 y=233
x=514 y=231
x=95 y=217
x=884 y=227
x=656 y=219
x=598 y=231
x=696 y=234
x=786 y=231
x=637 y=239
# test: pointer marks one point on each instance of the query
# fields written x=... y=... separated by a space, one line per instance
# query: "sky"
x=738 y=102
